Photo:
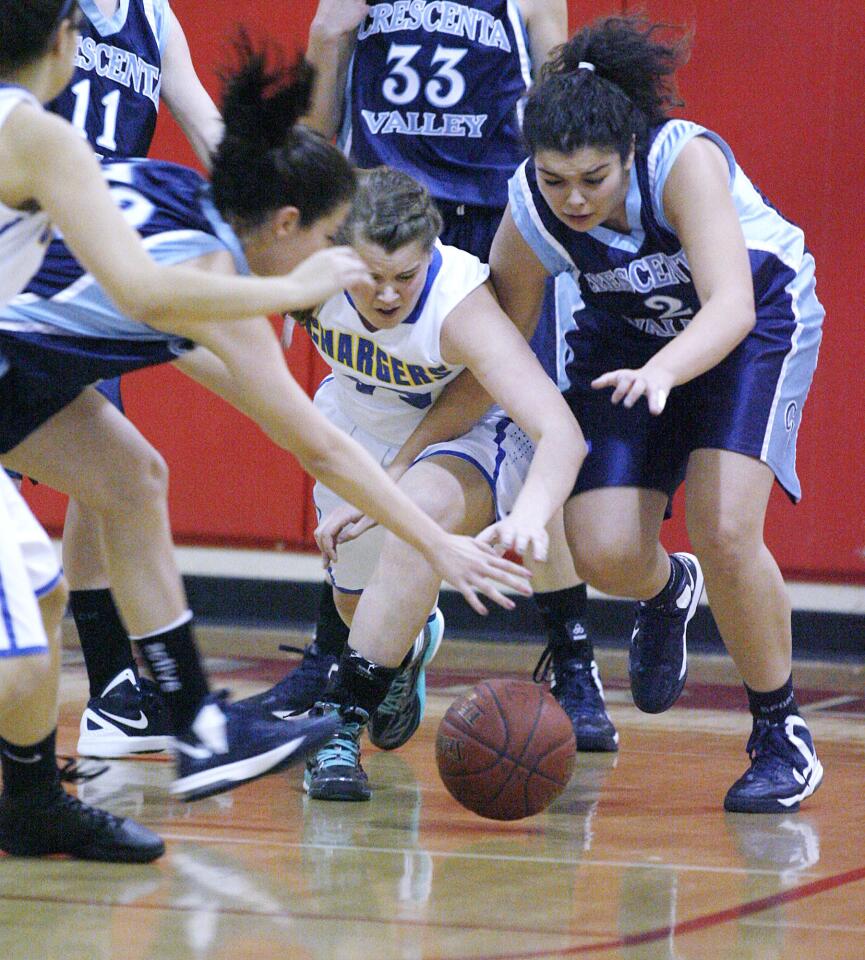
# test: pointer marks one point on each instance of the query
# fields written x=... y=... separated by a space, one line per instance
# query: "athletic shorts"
x=495 y=446
x=28 y=569
x=750 y=403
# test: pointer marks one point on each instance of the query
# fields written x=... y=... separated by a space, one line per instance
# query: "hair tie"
x=585 y=65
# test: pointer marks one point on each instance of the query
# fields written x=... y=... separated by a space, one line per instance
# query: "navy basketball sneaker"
x=128 y=717
x=576 y=684
x=784 y=769
x=299 y=690
x=228 y=745
x=48 y=820
x=400 y=713
x=335 y=772
x=658 y=657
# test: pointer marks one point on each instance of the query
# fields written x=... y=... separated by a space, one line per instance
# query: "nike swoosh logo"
x=139 y=724
x=289 y=714
x=17 y=759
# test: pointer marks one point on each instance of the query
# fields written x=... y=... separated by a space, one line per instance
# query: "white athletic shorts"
x=28 y=569
x=496 y=446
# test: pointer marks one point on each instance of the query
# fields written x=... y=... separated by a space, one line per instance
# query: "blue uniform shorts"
x=750 y=403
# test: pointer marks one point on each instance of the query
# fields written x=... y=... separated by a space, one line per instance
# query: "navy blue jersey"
x=643 y=277
x=435 y=89
x=114 y=93
x=155 y=196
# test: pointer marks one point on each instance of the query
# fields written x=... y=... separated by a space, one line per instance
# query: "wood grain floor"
x=636 y=860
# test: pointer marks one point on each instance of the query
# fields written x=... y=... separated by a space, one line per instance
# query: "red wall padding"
x=783 y=84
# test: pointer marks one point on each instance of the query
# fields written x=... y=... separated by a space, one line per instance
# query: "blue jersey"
x=64 y=333
x=435 y=88
x=169 y=207
x=113 y=97
x=643 y=277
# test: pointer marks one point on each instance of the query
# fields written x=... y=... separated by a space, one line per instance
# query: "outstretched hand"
x=329 y=272
x=523 y=538
x=652 y=382
x=475 y=568
x=341 y=525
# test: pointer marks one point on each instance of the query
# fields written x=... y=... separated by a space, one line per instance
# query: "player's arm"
x=518 y=280
x=547 y=25
x=45 y=162
x=517 y=275
x=479 y=335
x=184 y=93
x=699 y=207
x=253 y=377
x=329 y=49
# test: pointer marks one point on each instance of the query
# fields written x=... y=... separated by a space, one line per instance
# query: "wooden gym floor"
x=636 y=861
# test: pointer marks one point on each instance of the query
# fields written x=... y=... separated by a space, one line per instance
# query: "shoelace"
x=342 y=750
x=573 y=697
x=768 y=743
x=94 y=816
x=71 y=771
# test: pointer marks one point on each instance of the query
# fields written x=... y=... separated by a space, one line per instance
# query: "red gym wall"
x=783 y=84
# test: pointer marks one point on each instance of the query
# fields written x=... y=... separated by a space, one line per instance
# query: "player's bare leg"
x=394 y=607
x=727 y=498
x=92 y=452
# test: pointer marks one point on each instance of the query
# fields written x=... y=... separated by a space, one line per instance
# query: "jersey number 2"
x=111 y=103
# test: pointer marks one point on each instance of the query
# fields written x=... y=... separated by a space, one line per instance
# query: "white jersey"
x=24 y=236
x=386 y=380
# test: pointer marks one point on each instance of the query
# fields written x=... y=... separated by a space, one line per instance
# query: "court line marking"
x=463 y=855
x=694 y=925
x=800 y=925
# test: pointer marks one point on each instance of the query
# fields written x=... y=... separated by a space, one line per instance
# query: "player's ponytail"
x=605 y=87
x=266 y=160
x=26 y=28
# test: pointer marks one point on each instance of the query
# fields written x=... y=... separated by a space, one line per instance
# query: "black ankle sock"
x=774 y=705
x=671 y=588
x=563 y=613
x=560 y=607
x=104 y=640
x=27 y=768
x=331 y=634
x=359 y=682
x=173 y=660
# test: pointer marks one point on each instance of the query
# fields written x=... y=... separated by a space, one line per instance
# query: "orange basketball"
x=506 y=749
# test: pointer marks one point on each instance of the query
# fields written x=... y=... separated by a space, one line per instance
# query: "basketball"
x=506 y=749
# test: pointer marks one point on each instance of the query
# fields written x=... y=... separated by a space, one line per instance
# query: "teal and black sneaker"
x=402 y=710
x=334 y=772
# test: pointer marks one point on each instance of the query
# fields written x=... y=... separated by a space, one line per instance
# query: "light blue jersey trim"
x=551 y=254
x=632 y=241
x=84 y=309
x=779 y=443
x=664 y=152
x=227 y=236
x=521 y=36
x=106 y=25
x=569 y=301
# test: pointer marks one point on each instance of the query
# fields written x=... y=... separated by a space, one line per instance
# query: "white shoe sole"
x=115 y=746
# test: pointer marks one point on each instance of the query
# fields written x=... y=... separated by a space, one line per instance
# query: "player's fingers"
x=472 y=599
x=637 y=389
x=622 y=386
x=489 y=589
x=657 y=401
x=540 y=547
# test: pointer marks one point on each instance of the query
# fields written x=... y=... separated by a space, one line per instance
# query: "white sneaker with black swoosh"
x=228 y=745
x=128 y=717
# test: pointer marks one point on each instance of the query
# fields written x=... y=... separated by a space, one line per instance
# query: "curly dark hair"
x=630 y=89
